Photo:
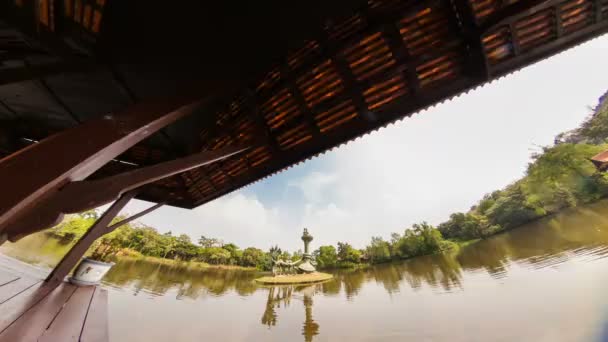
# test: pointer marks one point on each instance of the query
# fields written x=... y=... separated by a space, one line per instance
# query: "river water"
x=545 y=281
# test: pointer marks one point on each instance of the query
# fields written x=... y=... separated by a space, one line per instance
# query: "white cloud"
x=315 y=185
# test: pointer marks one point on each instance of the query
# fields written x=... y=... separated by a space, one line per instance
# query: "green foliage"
x=379 y=250
x=594 y=130
x=561 y=176
x=326 y=256
x=252 y=257
x=465 y=226
x=207 y=242
x=74 y=226
x=142 y=240
x=346 y=253
x=420 y=239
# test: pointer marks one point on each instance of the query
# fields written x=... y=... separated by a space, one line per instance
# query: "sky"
x=423 y=168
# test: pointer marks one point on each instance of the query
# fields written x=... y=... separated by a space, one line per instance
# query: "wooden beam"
x=112 y=227
x=476 y=65
x=402 y=56
x=98 y=229
x=102 y=191
x=84 y=195
x=543 y=51
x=39 y=171
x=597 y=7
x=306 y=112
x=513 y=12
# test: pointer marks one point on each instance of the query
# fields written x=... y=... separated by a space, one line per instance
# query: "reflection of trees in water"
x=331 y=288
x=545 y=242
x=282 y=295
x=351 y=281
x=435 y=270
x=190 y=282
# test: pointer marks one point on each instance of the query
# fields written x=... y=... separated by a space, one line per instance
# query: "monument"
x=307 y=265
x=299 y=271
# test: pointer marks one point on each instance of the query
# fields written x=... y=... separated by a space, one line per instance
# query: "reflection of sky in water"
x=543 y=282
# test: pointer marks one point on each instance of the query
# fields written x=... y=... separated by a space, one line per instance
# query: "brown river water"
x=545 y=281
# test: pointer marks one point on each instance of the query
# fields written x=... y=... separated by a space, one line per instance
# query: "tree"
x=347 y=253
x=207 y=242
x=252 y=257
x=184 y=249
x=297 y=255
x=379 y=250
x=235 y=253
x=74 y=226
x=216 y=255
x=108 y=245
x=463 y=226
x=512 y=209
x=326 y=256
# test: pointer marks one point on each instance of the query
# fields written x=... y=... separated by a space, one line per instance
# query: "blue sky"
x=423 y=168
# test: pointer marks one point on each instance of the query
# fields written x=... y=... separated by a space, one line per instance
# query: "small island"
x=302 y=271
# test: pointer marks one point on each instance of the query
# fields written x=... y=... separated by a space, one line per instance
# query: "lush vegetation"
x=558 y=177
x=141 y=240
x=418 y=240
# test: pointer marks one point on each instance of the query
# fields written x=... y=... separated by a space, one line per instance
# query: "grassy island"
x=305 y=278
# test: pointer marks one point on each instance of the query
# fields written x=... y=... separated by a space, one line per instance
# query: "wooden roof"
x=600 y=160
x=306 y=77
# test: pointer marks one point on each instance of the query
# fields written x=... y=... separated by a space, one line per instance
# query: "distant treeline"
x=558 y=177
x=147 y=241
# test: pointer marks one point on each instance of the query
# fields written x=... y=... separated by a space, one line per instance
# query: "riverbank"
x=134 y=255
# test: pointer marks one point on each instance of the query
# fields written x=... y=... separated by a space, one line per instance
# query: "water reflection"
x=189 y=282
x=281 y=297
x=578 y=236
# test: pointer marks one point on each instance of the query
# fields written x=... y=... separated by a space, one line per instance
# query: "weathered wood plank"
x=15 y=287
x=96 y=324
x=12 y=309
x=68 y=324
x=20 y=268
x=7 y=277
x=31 y=325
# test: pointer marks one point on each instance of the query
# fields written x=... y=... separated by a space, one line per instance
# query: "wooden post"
x=98 y=229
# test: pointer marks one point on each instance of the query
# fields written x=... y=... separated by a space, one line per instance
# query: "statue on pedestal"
x=304 y=265
x=307 y=265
